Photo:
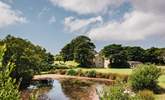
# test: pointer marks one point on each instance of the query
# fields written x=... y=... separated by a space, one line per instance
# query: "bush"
x=91 y=73
x=79 y=72
x=71 y=72
x=145 y=77
x=60 y=66
x=115 y=92
x=8 y=88
x=145 y=95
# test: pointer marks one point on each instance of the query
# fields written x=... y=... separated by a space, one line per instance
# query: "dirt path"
x=55 y=76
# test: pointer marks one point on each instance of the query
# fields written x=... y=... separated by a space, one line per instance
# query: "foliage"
x=28 y=58
x=67 y=52
x=115 y=92
x=151 y=55
x=8 y=88
x=145 y=77
x=33 y=96
x=71 y=72
x=91 y=73
x=58 y=57
x=80 y=49
x=145 y=95
x=116 y=54
x=135 y=53
x=119 y=55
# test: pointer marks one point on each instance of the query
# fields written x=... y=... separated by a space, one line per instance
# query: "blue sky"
x=53 y=23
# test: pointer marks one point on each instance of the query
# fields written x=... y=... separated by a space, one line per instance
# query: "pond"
x=68 y=89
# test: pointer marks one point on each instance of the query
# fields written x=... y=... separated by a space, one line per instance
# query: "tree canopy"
x=80 y=49
x=28 y=58
x=119 y=54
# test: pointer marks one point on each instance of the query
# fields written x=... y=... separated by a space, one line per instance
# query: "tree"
x=67 y=52
x=135 y=53
x=151 y=55
x=162 y=56
x=80 y=49
x=8 y=88
x=84 y=54
x=116 y=54
x=28 y=58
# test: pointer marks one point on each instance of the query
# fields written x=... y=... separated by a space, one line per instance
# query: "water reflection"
x=56 y=92
x=64 y=90
x=78 y=90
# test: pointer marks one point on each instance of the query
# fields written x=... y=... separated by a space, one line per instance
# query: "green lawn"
x=67 y=63
x=110 y=70
x=128 y=71
x=162 y=81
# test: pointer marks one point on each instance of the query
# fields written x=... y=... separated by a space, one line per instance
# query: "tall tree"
x=135 y=53
x=151 y=55
x=80 y=49
x=116 y=54
x=28 y=58
x=67 y=52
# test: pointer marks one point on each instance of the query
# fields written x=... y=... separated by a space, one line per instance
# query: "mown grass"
x=67 y=63
x=109 y=70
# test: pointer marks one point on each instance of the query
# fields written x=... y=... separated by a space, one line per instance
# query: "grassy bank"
x=110 y=70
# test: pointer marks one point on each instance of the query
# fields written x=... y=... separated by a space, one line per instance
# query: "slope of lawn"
x=110 y=70
x=67 y=63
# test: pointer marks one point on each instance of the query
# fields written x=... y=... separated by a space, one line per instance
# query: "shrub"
x=8 y=88
x=145 y=95
x=71 y=72
x=79 y=72
x=122 y=77
x=60 y=66
x=62 y=71
x=115 y=92
x=145 y=77
x=91 y=73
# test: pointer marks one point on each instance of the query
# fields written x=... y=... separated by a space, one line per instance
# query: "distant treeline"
x=81 y=49
x=119 y=54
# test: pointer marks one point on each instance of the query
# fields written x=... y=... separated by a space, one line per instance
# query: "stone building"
x=100 y=61
x=134 y=64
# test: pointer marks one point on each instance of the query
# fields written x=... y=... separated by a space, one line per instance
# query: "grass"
x=67 y=63
x=109 y=70
x=162 y=81
x=126 y=71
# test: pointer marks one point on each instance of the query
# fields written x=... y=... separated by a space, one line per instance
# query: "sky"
x=53 y=23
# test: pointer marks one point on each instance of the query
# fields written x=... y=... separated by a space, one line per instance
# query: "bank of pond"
x=62 y=89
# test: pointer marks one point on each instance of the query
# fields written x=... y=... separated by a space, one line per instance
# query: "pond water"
x=62 y=90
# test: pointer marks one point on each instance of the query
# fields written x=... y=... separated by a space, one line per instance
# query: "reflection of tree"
x=43 y=87
x=77 y=90
x=43 y=83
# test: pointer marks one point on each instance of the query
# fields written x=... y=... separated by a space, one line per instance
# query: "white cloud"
x=146 y=20
x=9 y=16
x=157 y=6
x=136 y=26
x=86 y=6
x=52 y=20
x=73 y=25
